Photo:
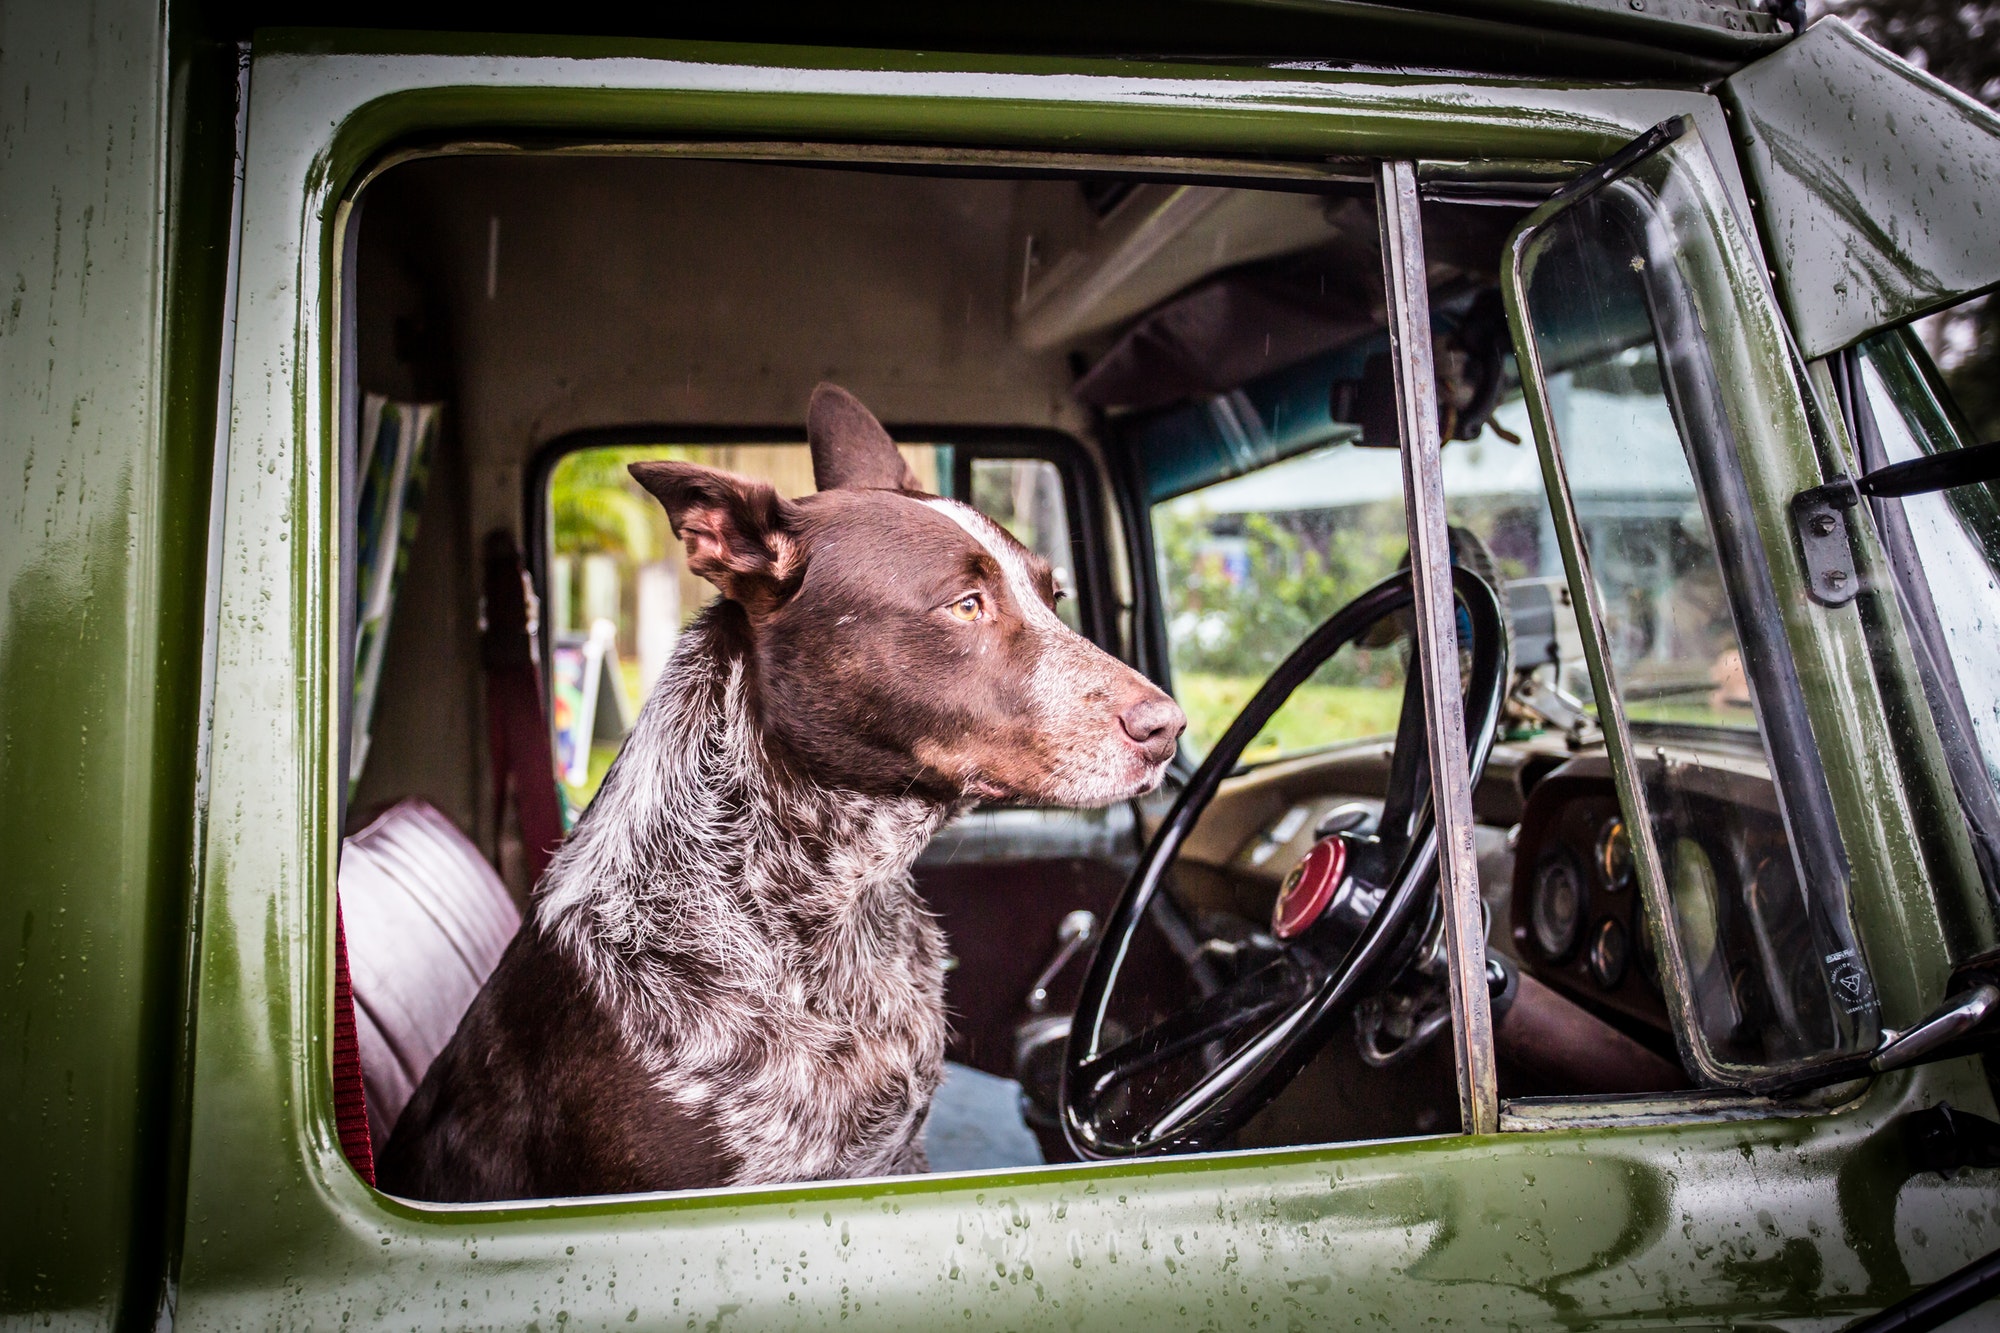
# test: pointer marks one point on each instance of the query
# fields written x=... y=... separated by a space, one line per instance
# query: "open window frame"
x=1754 y=426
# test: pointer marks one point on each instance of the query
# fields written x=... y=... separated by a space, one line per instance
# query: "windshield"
x=1250 y=565
x=1945 y=549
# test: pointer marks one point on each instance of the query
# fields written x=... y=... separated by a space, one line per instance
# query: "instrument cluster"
x=1576 y=921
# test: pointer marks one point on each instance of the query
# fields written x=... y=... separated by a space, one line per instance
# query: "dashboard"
x=1561 y=881
x=1559 y=876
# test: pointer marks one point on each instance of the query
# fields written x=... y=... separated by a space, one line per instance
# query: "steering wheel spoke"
x=1239 y=1007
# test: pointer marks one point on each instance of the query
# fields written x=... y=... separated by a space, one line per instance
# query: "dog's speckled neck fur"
x=728 y=976
x=756 y=936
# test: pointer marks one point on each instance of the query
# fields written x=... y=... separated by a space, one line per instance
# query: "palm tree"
x=596 y=508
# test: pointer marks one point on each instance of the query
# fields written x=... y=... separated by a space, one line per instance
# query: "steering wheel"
x=1347 y=921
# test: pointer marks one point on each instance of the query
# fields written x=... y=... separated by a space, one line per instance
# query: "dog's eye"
x=967 y=608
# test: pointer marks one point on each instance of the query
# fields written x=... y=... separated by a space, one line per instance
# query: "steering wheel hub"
x=1314 y=882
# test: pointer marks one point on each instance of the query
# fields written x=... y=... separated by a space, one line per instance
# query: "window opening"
x=1247 y=566
x=1300 y=410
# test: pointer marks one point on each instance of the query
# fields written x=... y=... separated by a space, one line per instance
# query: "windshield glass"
x=1251 y=565
x=1945 y=549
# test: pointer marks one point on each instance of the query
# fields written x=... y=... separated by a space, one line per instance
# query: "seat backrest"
x=426 y=920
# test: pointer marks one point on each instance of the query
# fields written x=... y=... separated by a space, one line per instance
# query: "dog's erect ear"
x=739 y=534
x=849 y=447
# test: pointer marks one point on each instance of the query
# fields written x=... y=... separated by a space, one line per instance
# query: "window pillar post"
x=1409 y=309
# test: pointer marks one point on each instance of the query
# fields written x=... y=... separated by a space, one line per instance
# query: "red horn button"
x=1309 y=888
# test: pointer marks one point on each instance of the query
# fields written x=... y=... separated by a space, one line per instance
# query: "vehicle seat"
x=426 y=920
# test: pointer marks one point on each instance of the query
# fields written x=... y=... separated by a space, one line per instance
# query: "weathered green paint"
x=1878 y=187
x=1797 y=1217
x=114 y=144
x=1762 y=392
x=499 y=89
x=1702 y=1226
x=107 y=395
x=1696 y=41
x=1937 y=828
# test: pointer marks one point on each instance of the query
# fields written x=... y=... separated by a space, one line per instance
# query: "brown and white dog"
x=727 y=976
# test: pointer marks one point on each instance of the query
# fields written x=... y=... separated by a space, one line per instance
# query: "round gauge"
x=1555 y=912
x=1610 y=951
x=1697 y=903
x=1614 y=854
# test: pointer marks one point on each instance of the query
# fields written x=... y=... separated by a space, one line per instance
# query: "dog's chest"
x=827 y=1068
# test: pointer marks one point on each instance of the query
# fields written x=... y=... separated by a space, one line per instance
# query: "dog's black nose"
x=1155 y=723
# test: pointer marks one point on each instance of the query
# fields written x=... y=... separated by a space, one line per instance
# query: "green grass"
x=1315 y=715
x=1697 y=714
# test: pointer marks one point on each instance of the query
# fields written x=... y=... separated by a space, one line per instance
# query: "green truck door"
x=1684 y=1210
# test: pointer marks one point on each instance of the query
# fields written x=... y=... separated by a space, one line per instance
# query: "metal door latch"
x=1819 y=519
x=1960 y=1015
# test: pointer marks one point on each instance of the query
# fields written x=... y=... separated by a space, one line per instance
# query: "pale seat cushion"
x=427 y=919
x=976 y=1124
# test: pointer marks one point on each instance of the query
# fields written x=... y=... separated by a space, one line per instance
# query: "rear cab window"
x=617 y=592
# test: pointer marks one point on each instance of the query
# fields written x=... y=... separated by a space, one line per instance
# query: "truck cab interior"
x=1172 y=379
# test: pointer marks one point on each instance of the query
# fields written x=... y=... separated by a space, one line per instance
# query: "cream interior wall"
x=656 y=290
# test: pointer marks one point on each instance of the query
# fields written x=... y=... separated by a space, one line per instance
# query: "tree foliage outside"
x=595 y=508
x=1243 y=590
x=1958 y=43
